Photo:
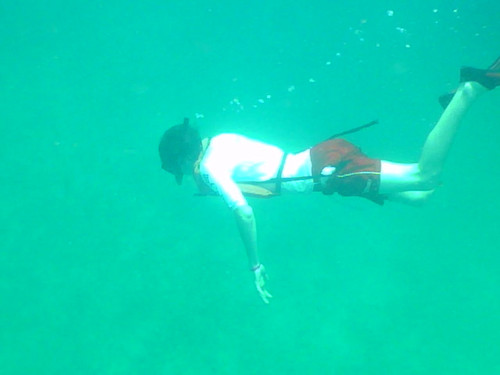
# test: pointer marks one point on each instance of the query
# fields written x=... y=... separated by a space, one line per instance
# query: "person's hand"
x=260 y=282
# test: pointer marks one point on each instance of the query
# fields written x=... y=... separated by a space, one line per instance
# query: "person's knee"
x=412 y=198
x=397 y=177
x=420 y=198
x=428 y=180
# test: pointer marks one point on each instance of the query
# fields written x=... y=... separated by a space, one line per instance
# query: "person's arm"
x=248 y=232
x=222 y=183
x=246 y=225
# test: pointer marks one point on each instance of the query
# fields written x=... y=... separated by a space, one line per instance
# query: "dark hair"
x=181 y=143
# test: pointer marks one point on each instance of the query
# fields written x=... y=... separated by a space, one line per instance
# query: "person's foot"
x=489 y=78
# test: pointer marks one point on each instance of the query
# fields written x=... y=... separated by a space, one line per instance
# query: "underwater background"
x=108 y=267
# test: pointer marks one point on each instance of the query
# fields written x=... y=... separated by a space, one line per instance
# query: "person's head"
x=179 y=149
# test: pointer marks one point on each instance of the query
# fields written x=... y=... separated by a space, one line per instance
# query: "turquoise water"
x=108 y=267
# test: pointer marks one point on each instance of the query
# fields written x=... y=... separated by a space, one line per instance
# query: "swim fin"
x=489 y=78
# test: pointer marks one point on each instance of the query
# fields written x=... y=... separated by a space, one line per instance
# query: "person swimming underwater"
x=235 y=167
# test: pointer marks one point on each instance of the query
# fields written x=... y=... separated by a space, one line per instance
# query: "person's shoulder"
x=227 y=137
x=221 y=153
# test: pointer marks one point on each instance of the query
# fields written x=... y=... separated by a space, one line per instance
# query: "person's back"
x=244 y=159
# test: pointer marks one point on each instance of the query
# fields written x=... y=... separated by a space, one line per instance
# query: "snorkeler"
x=234 y=166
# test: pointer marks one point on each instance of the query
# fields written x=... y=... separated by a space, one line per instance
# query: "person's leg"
x=439 y=140
x=414 y=183
x=424 y=175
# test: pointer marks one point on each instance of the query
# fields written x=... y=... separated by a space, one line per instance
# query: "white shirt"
x=232 y=158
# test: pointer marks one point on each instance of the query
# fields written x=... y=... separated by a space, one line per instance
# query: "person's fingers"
x=264 y=294
x=260 y=287
x=264 y=298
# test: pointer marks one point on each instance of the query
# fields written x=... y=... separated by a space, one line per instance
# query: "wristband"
x=257 y=267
